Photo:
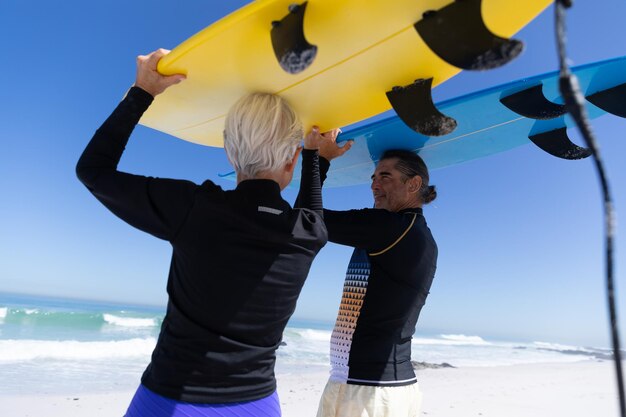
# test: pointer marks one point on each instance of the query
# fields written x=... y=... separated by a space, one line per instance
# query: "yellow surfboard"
x=364 y=49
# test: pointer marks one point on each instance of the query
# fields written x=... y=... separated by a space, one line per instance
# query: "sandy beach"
x=580 y=389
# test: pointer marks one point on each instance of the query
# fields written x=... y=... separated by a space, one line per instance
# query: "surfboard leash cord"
x=574 y=102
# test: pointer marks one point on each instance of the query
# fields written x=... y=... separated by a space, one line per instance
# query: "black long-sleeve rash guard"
x=239 y=261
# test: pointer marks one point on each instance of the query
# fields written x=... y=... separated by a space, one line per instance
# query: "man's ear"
x=291 y=165
x=415 y=184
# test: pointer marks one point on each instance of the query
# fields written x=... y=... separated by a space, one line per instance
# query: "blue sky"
x=519 y=233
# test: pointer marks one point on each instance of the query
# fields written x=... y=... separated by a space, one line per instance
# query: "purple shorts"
x=147 y=403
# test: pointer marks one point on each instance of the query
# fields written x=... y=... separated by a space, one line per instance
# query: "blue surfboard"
x=490 y=121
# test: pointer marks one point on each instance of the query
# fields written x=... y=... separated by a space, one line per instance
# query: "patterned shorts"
x=147 y=403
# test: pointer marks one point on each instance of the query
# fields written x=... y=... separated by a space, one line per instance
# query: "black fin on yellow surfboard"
x=612 y=100
x=458 y=35
x=293 y=52
x=533 y=104
x=414 y=105
x=557 y=143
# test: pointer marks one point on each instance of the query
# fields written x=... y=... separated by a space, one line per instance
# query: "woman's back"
x=239 y=262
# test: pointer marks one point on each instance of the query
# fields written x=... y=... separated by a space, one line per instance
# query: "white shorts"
x=347 y=400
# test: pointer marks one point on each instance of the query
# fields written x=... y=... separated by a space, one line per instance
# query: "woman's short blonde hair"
x=261 y=133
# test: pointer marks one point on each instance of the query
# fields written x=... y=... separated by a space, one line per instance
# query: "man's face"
x=391 y=191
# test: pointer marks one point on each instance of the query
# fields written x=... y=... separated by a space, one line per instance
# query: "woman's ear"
x=286 y=173
x=291 y=165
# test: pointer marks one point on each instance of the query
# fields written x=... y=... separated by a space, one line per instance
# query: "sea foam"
x=129 y=321
x=15 y=351
x=452 y=340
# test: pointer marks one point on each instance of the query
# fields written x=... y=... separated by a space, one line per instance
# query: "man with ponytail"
x=387 y=281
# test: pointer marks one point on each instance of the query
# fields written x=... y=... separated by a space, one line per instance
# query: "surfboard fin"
x=557 y=143
x=611 y=100
x=458 y=35
x=293 y=52
x=414 y=105
x=533 y=104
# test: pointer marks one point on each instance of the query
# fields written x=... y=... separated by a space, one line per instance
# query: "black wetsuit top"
x=239 y=261
x=387 y=282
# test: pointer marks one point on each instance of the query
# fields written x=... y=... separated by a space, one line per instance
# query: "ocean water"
x=54 y=346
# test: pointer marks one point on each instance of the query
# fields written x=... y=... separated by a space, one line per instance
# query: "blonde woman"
x=239 y=259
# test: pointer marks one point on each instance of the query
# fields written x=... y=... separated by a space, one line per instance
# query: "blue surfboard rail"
x=485 y=126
